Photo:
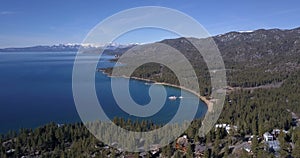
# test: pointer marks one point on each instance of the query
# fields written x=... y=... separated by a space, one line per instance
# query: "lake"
x=36 y=88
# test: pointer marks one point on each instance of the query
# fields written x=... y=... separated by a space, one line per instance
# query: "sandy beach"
x=208 y=103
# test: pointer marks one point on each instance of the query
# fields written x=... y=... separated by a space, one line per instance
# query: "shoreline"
x=207 y=102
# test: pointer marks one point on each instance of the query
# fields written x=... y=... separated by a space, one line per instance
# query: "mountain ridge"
x=66 y=47
x=251 y=59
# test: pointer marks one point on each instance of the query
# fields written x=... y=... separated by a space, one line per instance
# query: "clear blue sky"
x=47 y=22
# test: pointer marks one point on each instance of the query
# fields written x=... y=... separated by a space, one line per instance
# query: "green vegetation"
x=74 y=140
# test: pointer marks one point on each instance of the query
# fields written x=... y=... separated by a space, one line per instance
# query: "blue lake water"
x=36 y=88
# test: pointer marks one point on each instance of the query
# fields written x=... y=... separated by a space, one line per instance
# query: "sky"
x=49 y=22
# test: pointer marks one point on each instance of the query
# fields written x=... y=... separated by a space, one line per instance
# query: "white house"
x=268 y=137
x=227 y=127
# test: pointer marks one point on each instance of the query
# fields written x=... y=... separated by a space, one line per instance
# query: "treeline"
x=72 y=140
x=256 y=112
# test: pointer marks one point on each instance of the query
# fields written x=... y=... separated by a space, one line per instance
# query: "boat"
x=180 y=97
x=172 y=97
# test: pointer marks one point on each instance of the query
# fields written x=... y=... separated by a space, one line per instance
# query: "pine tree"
x=216 y=148
x=283 y=145
x=168 y=151
x=3 y=155
x=254 y=146
x=177 y=154
x=208 y=138
x=113 y=153
x=206 y=154
x=62 y=155
x=226 y=153
x=254 y=127
x=295 y=152
x=261 y=128
x=189 y=153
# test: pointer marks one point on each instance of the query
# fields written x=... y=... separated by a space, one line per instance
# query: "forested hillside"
x=253 y=60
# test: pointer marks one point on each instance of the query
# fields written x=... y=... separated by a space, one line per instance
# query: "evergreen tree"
x=295 y=152
x=177 y=154
x=216 y=147
x=226 y=152
x=254 y=146
x=168 y=151
x=254 y=127
x=189 y=153
x=206 y=154
x=113 y=153
x=283 y=146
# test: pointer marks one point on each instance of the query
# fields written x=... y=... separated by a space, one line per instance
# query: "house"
x=227 y=127
x=182 y=143
x=199 y=150
x=247 y=147
x=268 y=137
x=273 y=145
x=10 y=151
x=220 y=125
x=143 y=154
x=154 y=149
x=106 y=147
x=252 y=136
x=276 y=132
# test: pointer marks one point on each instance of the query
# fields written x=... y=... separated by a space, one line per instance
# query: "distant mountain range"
x=69 y=48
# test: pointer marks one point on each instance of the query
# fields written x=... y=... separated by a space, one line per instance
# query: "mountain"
x=252 y=58
x=70 y=48
x=275 y=49
x=259 y=44
x=249 y=45
x=54 y=48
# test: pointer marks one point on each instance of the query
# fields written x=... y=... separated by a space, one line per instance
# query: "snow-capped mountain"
x=68 y=47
